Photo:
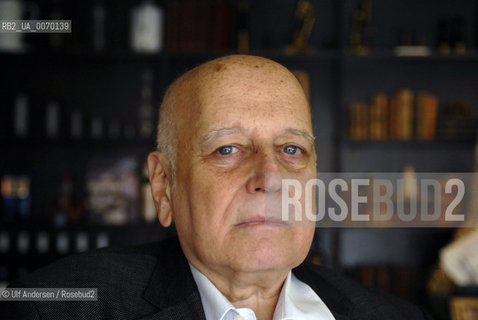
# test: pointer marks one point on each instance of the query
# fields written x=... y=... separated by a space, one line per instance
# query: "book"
x=392 y=118
x=358 y=120
x=427 y=106
x=403 y=114
x=113 y=190
x=378 y=115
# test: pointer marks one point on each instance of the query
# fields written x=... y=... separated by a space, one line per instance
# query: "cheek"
x=210 y=196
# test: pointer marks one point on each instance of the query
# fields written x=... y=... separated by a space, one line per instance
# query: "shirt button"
x=238 y=317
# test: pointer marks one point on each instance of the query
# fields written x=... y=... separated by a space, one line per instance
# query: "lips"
x=261 y=221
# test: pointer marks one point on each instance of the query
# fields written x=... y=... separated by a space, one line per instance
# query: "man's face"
x=244 y=123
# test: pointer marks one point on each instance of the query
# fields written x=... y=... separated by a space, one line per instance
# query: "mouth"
x=261 y=221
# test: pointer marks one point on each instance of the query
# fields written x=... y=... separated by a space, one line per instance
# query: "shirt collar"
x=296 y=301
x=214 y=303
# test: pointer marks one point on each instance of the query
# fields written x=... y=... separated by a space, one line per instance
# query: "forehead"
x=255 y=94
x=261 y=79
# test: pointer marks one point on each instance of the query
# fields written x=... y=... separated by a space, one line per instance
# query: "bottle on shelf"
x=96 y=128
x=129 y=132
x=16 y=198
x=42 y=242
x=21 y=116
x=23 y=197
x=4 y=242
x=52 y=120
x=9 y=198
x=146 y=110
x=99 y=26
x=62 y=243
x=102 y=240
x=76 y=127
x=443 y=33
x=23 y=242
x=4 y=277
x=458 y=35
x=55 y=39
x=81 y=242
x=114 y=129
x=147 y=27
x=61 y=211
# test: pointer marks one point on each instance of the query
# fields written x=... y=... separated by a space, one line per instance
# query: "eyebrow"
x=218 y=133
x=298 y=132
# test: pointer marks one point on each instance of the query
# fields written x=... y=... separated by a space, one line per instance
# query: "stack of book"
x=402 y=116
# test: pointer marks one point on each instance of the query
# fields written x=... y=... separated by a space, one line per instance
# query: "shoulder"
x=105 y=266
x=354 y=300
x=120 y=275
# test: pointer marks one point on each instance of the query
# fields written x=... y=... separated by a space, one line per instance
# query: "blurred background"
x=393 y=87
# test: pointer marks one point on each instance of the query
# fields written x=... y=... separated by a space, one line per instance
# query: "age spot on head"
x=218 y=67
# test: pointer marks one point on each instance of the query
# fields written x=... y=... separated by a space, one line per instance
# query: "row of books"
x=406 y=115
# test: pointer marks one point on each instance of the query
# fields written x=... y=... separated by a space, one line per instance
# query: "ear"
x=160 y=180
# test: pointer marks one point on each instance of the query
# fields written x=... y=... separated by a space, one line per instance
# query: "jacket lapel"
x=173 y=291
x=172 y=288
x=338 y=304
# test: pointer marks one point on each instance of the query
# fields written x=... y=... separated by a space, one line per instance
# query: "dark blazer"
x=154 y=281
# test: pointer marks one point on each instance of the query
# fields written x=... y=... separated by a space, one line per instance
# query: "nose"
x=265 y=175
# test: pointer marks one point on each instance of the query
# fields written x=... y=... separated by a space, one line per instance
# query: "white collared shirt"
x=297 y=301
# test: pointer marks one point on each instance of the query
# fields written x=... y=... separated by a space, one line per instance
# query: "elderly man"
x=223 y=127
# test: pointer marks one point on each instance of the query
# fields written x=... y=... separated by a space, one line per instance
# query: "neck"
x=258 y=291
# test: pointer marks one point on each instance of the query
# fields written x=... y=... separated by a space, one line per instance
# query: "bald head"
x=245 y=76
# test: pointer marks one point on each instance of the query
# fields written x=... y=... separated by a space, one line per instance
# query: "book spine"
x=404 y=114
x=431 y=116
x=358 y=119
x=378 y=117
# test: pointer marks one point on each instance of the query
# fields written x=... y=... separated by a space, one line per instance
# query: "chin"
x=268 y=255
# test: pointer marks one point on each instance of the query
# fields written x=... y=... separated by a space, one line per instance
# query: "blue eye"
x=226 y=150
x=292 y=150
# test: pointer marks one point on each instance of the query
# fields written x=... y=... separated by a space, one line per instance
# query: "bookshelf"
x=108 y=84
